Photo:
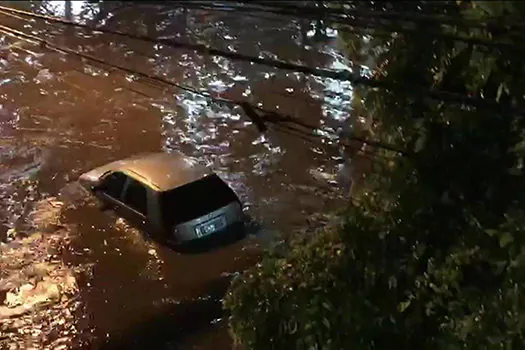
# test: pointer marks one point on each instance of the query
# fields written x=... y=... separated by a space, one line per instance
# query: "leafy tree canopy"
x=433 y=256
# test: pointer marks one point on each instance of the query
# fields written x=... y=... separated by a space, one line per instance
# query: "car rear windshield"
x=195 y=199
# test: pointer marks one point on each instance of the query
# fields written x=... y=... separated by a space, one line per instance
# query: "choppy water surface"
x=74 y=276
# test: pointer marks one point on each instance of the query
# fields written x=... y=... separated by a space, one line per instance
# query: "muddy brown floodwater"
x=72 y=276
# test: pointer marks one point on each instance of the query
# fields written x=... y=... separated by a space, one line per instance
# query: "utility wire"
x=253 y=112
x=412 y=16
x=284 y=128
x=359 y=22
x=190 y=5
x=286 y=95
x=343 y=75
x=339 y=75
x=36 y=40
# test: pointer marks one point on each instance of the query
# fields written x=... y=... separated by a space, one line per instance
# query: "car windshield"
x=195 y=199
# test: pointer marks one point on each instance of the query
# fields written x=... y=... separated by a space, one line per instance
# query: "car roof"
x=162 y=171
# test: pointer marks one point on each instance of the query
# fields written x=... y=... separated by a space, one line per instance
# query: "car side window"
x=135 y=196
x=113 y=183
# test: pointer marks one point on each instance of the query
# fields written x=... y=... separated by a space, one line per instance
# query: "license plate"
x=210 y=226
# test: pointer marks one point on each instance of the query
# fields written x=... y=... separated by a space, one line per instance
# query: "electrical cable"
x=364 y=22
x=408 y=16
x=260 y=121
x=337 y=75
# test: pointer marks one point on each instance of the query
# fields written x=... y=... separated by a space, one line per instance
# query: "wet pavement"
x=73 y=276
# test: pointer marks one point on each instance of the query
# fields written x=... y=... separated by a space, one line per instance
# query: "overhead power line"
x=391 y=15
x=342 y=75
x=366 y=20
x=339 y=75
x=259 y=116
x=286 y=95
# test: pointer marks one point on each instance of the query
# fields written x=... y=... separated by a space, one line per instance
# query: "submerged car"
x=169 y=196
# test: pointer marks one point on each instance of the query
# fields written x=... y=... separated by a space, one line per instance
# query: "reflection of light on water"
x=218 y=85
x=153 y=268
x=198 y=128
x=16 y=201
x=40 y=290
x=239 y=78
x=331 y=32
x=59 y=8
x=268 y=159
x=334 y=92
x=222 y=62
x=247 y=92
x=339 y=65
x=366 y=71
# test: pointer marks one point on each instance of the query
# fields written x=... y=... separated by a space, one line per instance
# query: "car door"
x=135 y=203
x=109 y=192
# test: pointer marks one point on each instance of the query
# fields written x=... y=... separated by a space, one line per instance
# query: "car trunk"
x=194 y=200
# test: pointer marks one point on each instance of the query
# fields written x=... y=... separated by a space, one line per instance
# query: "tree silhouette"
x=432 y=255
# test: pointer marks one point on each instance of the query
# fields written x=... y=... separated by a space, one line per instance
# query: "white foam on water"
x=39 y=291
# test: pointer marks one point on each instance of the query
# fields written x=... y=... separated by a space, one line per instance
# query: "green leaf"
x=420 y=143
x=520 y=147
x=403 y=306
x=505 y=239
x=491 y=232
x=327 y=306
x=491 y=8
x=392 y=282
x=326 y=322
x=500 y=91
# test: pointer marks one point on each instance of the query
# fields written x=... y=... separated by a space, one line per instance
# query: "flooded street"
x=73 y=276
